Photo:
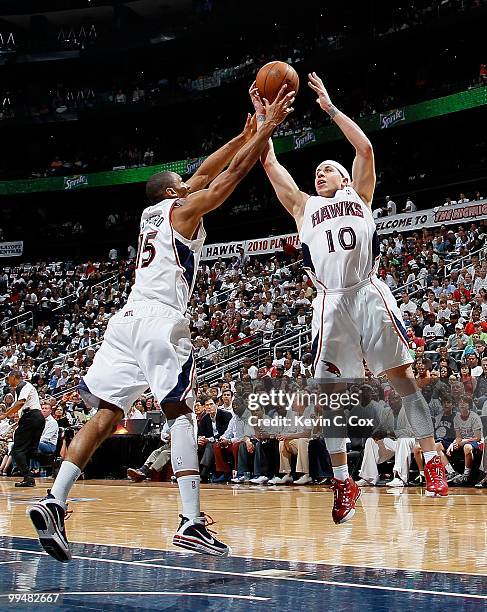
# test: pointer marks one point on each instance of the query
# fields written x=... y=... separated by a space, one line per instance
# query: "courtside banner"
x=11 y=249
x=441 y=215
x=257 y=246
x=405 y=222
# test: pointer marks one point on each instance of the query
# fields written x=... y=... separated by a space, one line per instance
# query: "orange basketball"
x=272 y=76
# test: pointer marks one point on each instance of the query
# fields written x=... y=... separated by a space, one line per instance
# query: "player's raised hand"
x=250 y=127
x=256 y=99
x=281 y=107
x=318 y=87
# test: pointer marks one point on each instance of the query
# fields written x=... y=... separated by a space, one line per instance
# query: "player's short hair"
x=15 y=373
x=156 y=186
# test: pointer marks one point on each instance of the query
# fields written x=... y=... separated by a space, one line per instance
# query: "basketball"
x=272 y=76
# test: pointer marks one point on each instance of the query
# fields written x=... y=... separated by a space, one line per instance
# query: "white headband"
x=341 y=169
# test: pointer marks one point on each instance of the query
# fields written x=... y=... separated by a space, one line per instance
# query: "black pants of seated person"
x=319 y=460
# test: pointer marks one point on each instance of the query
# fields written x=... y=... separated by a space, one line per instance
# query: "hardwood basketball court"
x=401 y=549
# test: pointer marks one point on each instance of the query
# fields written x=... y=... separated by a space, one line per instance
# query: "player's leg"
x=192 y=532
x=419 y=417
x=337 y=355
x=112 y=384
x=168 y=365
x=48 y=515
x=386 y=351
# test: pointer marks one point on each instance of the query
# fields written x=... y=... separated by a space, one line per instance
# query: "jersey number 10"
x=346 y=239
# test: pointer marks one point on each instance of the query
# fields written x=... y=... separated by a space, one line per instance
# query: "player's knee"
x=467 y=449
x=108 y=417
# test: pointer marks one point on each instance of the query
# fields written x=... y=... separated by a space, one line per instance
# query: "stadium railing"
x=63 y=358
x=20 y=319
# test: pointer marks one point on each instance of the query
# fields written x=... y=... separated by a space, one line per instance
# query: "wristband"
x=260 y=117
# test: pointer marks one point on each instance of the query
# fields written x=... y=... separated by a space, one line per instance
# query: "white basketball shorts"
x=146 y=344
x=357 y=324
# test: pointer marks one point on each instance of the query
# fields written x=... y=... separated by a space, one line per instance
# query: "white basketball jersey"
x=339 y=240
x=166 y=262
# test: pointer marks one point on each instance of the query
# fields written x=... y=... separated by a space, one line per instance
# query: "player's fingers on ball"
x=282 y=92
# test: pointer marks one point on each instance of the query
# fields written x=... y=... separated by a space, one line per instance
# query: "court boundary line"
x=320 y=562
x=169 y=593
x=262 y=577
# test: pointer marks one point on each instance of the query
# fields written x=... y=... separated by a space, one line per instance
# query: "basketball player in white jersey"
x=355 y=316
x=148 y=344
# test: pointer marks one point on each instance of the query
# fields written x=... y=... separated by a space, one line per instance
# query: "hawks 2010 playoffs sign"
x=405 y=222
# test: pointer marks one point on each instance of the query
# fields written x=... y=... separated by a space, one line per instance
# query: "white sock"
x=189 y=490
x=340 y=472
x=428 y=455
x=467 y=471
x=184 y=458
x=449 y=468
x=67 y=476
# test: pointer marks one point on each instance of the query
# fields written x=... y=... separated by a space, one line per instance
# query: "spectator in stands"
x=469 y=382
x=49 y=437
x=393 y=438
x=458 y=340
x=468 y=438
x=84 y=413
x=444 y=356
x=391 y=207
x=249 y=368
x=210 y=428
x=480 y=393
x=226 y=400
x=423 y=373
x=432 y=330
x=294 y=441
x=156 y=461
x=473 y=361
x=227 y=447
x=137 y=411
x=407 y=305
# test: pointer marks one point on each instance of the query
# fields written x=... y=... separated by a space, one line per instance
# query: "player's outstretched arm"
x=186 y=218
x=219 y=160
x=363 y=170
x=287 y=192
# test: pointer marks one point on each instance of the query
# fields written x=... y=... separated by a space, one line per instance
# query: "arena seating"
x=54 y=317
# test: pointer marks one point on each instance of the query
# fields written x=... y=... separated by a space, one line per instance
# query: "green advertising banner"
x=463 y=100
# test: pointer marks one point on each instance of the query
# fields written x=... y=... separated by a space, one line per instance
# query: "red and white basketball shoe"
x=435 y=476
x=346 y=494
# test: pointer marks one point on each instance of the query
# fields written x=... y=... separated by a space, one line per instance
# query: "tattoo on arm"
x=333 y=112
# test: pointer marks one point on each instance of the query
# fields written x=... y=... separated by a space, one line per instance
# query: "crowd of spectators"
x=149 y=150
x=63 y=100
x=240 y=309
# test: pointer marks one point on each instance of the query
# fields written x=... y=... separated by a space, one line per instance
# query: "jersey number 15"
x=146 y=251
